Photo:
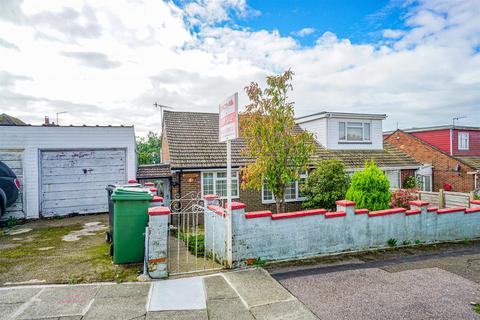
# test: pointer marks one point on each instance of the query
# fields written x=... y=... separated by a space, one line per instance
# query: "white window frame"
x=423 y=179
x=346 y=124
x=297 y=192
x=215 y=182
x=463 y=137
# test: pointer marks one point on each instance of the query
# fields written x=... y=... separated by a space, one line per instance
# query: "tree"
x=325 y=185
x=370 y=188
x=280 y=151
x=148 y=148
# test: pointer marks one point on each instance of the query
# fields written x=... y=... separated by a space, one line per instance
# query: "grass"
x=476 y=308
x=83 y=261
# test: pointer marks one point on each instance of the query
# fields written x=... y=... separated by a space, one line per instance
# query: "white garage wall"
x=32 y=139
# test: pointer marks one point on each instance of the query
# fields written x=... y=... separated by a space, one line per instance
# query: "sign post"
x=227 y=131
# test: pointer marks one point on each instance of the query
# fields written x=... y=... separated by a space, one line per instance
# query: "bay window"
x=354 y=131
x=215 y=182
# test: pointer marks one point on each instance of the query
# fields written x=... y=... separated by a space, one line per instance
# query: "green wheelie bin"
x=130 y=220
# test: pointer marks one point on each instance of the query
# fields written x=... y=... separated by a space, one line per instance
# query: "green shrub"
x=409 y=182
x=370 y=188
x=325 y=185
x=193 y=243
x=392 y=242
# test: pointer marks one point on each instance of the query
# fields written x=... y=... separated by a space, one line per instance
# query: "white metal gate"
x=187 y=237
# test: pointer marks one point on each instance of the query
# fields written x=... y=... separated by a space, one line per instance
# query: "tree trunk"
x=278 y=205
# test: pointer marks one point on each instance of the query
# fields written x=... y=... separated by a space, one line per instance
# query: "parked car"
x=9 y=187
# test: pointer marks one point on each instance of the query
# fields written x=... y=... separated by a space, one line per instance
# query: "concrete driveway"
x=441 y=284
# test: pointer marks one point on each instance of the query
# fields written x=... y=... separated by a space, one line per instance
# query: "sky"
x=107 y=62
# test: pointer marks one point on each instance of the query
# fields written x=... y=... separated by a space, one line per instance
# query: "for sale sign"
x=228 y=119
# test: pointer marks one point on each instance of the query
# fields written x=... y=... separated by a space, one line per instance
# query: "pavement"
x=248 y=294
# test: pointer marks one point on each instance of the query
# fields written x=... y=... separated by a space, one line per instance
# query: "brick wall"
x=443 y=164
x=253 y=200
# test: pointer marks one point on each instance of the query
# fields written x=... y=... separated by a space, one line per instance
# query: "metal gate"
x=188 y=237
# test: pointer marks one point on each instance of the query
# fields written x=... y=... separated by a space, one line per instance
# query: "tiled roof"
x=473 y=162
x=193 y=143
x=150 y=171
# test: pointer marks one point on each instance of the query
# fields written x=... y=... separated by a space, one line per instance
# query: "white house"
x=65 y=169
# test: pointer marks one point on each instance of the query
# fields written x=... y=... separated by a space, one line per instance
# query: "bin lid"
x=131 y=194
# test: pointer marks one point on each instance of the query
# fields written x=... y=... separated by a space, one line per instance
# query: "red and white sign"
x=228 y=119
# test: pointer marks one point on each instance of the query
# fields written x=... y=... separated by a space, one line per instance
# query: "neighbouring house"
x=65 y=169
x=450 y=154
x=160 y=174
x=198 y=161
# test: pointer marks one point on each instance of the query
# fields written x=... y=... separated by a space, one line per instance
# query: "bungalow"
x=198 y=161
x=450 y=154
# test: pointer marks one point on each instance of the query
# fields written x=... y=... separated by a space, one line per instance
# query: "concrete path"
x=249 y=294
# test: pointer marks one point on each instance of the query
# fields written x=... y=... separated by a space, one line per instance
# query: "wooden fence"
x=446 y=199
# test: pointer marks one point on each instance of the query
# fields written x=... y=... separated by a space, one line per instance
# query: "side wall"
x=32 y=139
x=443 y=165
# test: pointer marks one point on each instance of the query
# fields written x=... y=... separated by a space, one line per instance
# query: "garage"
x=13 y=159
x=74 y=181
x=64 y=169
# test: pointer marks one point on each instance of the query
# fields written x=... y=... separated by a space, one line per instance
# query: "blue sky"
x=358 y=21
x=417 y=61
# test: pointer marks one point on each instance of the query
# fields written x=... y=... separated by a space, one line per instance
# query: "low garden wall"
x=267 y=236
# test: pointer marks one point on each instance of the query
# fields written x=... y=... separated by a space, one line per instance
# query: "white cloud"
x=107 y=62
x=304 y=32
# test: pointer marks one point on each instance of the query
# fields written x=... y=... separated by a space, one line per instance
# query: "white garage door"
x=13 y=159
x=75 y=181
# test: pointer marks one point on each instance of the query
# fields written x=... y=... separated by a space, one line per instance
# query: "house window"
x=394 y=178
x=292 y=191
x=354 y=131
x=463 y=141
x=425 y=182
x=216 y=183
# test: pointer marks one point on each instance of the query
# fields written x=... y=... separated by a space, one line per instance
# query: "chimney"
x=47 y=121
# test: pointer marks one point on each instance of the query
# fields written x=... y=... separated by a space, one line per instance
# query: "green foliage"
x=370 y=188
x=325 y=185
x=392 y=242
x=418 y=241
x=259 y=262
x=148 y=148
x=268 y=127
x=476 y=308
x=406 y=243
x=409 y=182
x=196 y=245
x=12 y=222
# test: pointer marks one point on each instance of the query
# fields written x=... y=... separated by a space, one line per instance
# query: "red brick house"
x=451 y=152
x=198 y=161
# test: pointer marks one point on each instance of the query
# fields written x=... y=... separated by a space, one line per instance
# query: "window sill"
x=354 y=142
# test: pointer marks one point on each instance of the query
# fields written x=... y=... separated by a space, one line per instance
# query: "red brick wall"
x=443 y=165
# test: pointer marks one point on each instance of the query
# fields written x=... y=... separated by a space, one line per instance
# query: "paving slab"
x=14 y=295
x=225 y=309
x=253 y=284
x=123 y=290
x=287 y=310
x=8 y=309
x=117 y=308
x=376 y=294
x=178 y=315
x=178 y=294
x=60 y=302
x=217 y=288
